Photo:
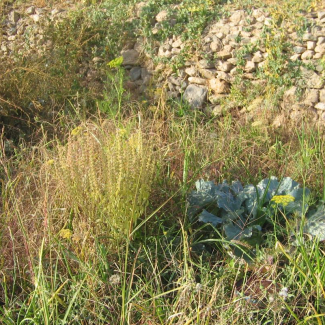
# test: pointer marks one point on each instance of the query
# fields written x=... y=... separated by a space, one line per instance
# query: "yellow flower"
x=76 y=131
x=65 y=233
x=282 y=199
x=50 y=162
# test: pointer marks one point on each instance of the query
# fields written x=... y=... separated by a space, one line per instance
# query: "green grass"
x=114 y=175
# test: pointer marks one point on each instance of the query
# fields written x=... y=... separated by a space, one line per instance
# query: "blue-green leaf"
x=207 y=217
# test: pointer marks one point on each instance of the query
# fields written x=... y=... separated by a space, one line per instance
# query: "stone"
x=250 y=66
x=224 y=55
x=164 y=53
x=224 y=66
x=208 y=73
x=195 y=95
x=320 y=106
x=279 y=120
x=13 y=17
x=35 y=17
x=307 y=55
x=177 y=43
x=135 y=73
x=299 y=49
x=217 y=98
x=162 y=15
x=197 y=80
x=311 y=78
x=268 y=21
x=309 y=37
x=219 y=86
x=321 y=15
x=311 y=45
x=295 y=57
x=321 y=40
x=205 y=64
x=30 y=10
x=289 y=95
x=191 y=71
x=139 y=8
x=311 y=96
x=320 y=48
x=237 y=16
x=176 y=50
x=322 y=95
x=175 y=80
x=130 y=57
x=257 y=13
x=258 y=57
x=225 y=76
x=216 y=46
x=217 y=111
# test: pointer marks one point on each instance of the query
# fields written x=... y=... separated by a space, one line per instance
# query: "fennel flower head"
x=283 y=200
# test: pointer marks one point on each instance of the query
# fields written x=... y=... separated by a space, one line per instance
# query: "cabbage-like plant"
x=239 y=213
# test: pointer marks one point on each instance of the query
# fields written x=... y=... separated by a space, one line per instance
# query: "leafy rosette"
x=240 y=211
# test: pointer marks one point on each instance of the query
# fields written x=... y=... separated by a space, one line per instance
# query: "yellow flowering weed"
x=283 y=200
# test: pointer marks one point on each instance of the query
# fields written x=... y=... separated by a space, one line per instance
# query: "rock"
x=216 y=46
x=295 y=57
x=196 y=80
x=195 y=95
x=311 y=45
x=175 y=80
x=135 y=73
x=320 y=48
x=162 y=15
x=225 y=76
x=322 y=95
x=290 y=95
x=208 y=73
x=257 y=13
x=321 y=40
x=30 y=10
x=250 y=66
x=217 y=99
x=13 y=17
x=321 y=15
x=224 y=66
x=219 y=86
x=130 y=57
x=176 y=51
x=280 y=120
x=268 y=21
x=311 y=78
x=309 y=37
x=320 y=106
x=217 y=111
x=237 y=16
x=299 y=49
x=258 y=57
x=205 y=64
x=139 y=8
x=307 y=55
x=191 y=71
x=311 y=96
x=224 y=55
x=35 y=17
x=177 y=43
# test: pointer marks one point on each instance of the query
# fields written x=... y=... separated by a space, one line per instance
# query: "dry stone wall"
x=206 y=79
x=239 y=45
